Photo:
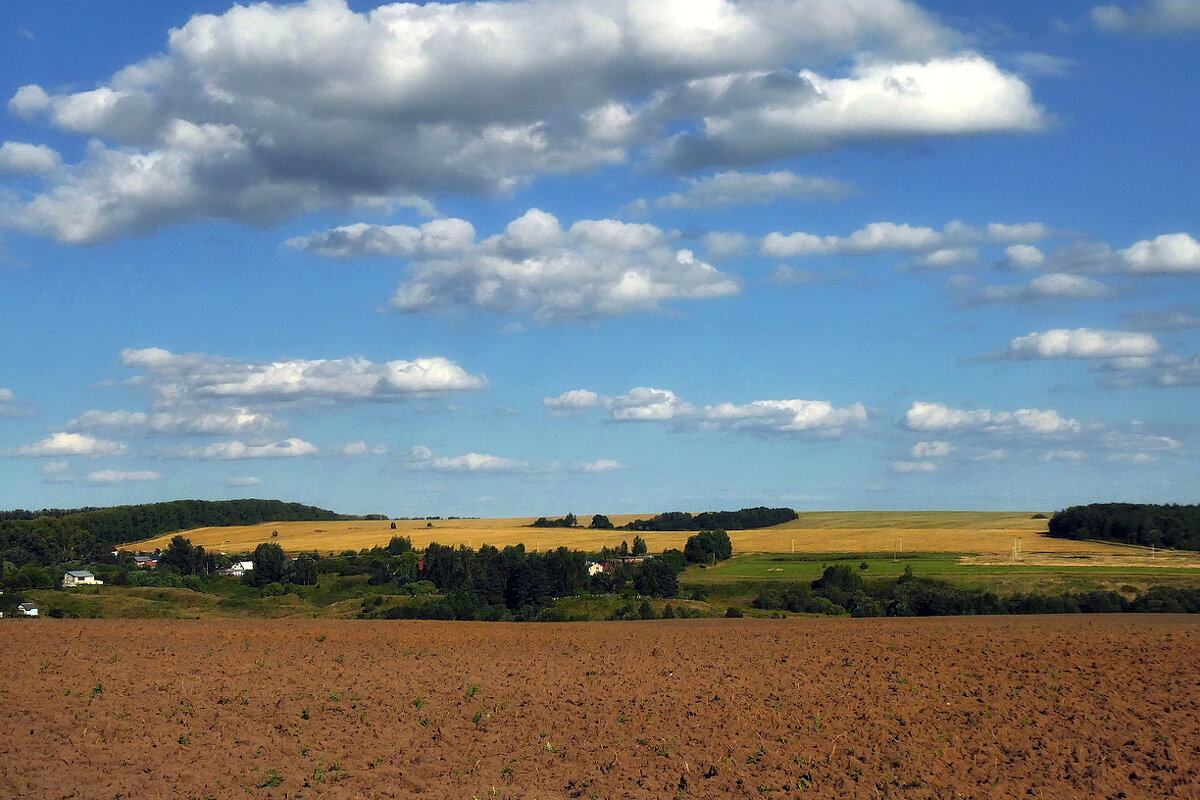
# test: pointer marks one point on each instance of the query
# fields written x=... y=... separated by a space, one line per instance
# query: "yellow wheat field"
x=984 y=533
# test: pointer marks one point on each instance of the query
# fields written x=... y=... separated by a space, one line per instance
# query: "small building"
x=27 y=609
x=145 y=562
x=594 y=568
x=237 y=570
x=79 y=577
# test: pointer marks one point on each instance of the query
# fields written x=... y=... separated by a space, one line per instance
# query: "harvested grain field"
x=982 y=532
x=980 y=707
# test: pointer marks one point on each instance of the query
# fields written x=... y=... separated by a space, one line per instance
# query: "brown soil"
x=984 y=707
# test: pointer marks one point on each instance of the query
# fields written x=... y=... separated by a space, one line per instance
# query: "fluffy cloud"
x=940 y=418
x=931 y=449
x=1023 y=256
x=1081 y=343
x=422 y=458
x=355 y=449
x=727 y=189
x=600 y=465
x=1176 y=318
x=1164 y=371
x=183 y=379
x=971 y=436
x=9 y=407
x=243 y=481
x=595 y=268
x=786 y=275
x=1154 y=16
x=573 y=402
x=883 y=237
x=1034 y=63
x=237 y=450
x=724 y=245
x=754 y=117
x=28 y=159
x=226 y=421
x=1051 y=286
x=477 y=462
x=910 y=467
x=71 y=444
x=1186 y=372
x=767 y=417
x=267 y=111
x=109 y=476
x=1168 y=254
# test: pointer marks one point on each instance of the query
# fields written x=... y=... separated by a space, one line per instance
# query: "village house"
x=145 y=562
x=79 y=577
x=27 y=609
x=237 y=570
x=594 y=568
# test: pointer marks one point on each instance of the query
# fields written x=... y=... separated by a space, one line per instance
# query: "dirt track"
x=984 y=707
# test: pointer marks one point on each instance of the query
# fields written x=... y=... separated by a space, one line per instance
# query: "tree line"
x=55 y=536
x=1174 y=526
x=743 y=519
x=842 y=590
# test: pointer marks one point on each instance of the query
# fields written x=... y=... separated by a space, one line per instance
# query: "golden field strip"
x=982 y=533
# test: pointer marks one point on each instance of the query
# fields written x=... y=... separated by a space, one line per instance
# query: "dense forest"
x=1172 y=526
x=742 y=520
x=55 y=536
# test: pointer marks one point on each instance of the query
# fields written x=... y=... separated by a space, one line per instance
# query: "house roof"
x=80 y=573
x=27 y=606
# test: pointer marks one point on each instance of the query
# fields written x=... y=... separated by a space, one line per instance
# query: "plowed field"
x=984 y=707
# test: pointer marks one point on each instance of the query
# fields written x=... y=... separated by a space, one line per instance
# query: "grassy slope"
x=745 y=575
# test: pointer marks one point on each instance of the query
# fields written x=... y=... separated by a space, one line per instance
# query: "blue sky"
x=600 y=255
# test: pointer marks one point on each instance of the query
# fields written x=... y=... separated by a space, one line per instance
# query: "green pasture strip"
x=747 y=575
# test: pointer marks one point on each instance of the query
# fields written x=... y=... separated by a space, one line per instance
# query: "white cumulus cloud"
x=242 y=481
x=971 y=436
x=767 y=417
x=238 y=450
x=28 y=159
x=224 y=421
x=180 y=379
x=593 y=269
x=270 y=110
x=355 y=449
x=758 y=116
x=70 y=444
x=572 y=402
x=732 y=188
x=943 y=248
x=939 y=417
x=1153 y=16
x=1081 y=343
x=108 y=476
x=910 y=467
x=933 y=449
x=1048 y=287
x=1166 y=254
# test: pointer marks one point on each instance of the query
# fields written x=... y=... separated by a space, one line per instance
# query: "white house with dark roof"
x=79 y=577
x=27 y=609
